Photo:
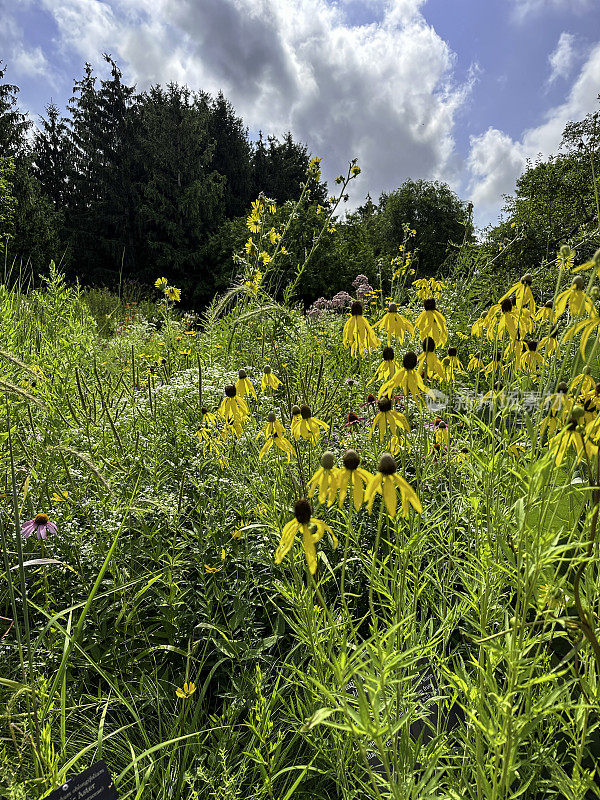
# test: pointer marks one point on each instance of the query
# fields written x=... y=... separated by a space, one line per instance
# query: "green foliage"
x=434 y=211
x=7 y=200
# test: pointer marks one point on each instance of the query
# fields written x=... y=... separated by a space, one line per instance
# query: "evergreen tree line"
x=128 y=186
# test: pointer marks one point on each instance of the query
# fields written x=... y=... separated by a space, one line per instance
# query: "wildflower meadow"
x=262 y=552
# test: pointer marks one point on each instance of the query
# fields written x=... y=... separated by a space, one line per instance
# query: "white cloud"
x=562 y=59
x=24 y=62
x=382 y=92
x=30 y=62
x=522 y=9
x=496 y=160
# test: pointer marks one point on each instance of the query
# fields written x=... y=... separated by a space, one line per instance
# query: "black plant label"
x=94 y=783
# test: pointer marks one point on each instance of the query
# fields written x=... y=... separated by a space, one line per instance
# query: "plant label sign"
x=94 y=783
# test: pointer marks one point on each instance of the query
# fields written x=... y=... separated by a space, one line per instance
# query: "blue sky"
x=458 y=90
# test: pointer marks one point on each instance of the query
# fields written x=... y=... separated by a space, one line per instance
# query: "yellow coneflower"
x=385 y=482
x=243 y=386
x=559 y=405
x=523 y=293
x=233 y=406
x=208 y=417
x=394 y=324
x=324 y=481
x=161 y=283
x=232 y=428
x=591 y=398
x=550 y=343
x=387 y=368
x=573 y=435
x=461 y=456
x=429 y=364
x=388 y=418
x=429 y=287
x=532 y=359
x=406 y=378
x=269 y=380
x=578 y=301
x=475 y=362
x=187 y=691
x=274 y=434
x=451 y=365
x=358 y=333
x=172 y=293
x=302 y=523
x=478 y=327
x=545 y=313
x=503 y=320
x=306 y=426
x=352 y=476
x=431 y=323
x=583 y=383
x=442 y=434
x=495 y=366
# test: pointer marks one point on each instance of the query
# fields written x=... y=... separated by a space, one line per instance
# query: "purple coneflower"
x=353 y=419
x=40 y=525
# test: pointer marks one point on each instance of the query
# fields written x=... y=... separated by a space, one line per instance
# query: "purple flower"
x=40 y=525
x=318 y=307
x=363 y=290
x=340 y=301
x=359 y=281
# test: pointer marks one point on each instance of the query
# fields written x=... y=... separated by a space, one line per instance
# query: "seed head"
x=356 y=309
x=548 y=304
x=562 y=388
x=328 y=459
x=532 y=345
x=302 y=511
x=506 y=305
x=388 y=353
x=351 y=460
x=410 y=360
x=267 y=369
x=384 y=404
x=578 y=282
x=565 y=251
x=230 y=390
x=271 y=416
x=429 y=304
x=428 y=345
x=305 y=412
x=452 y=352
x=41 y=519
x=242 y=374
x=527 y=279
x=393 y=308
x=387 y=464
x=295 y=411
x=371 y=398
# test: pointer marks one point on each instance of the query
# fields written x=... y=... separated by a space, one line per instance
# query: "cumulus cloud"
x=522 y=9
x=24 y=62
x=382 y=92
x=562 y=59
x=496 y=160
